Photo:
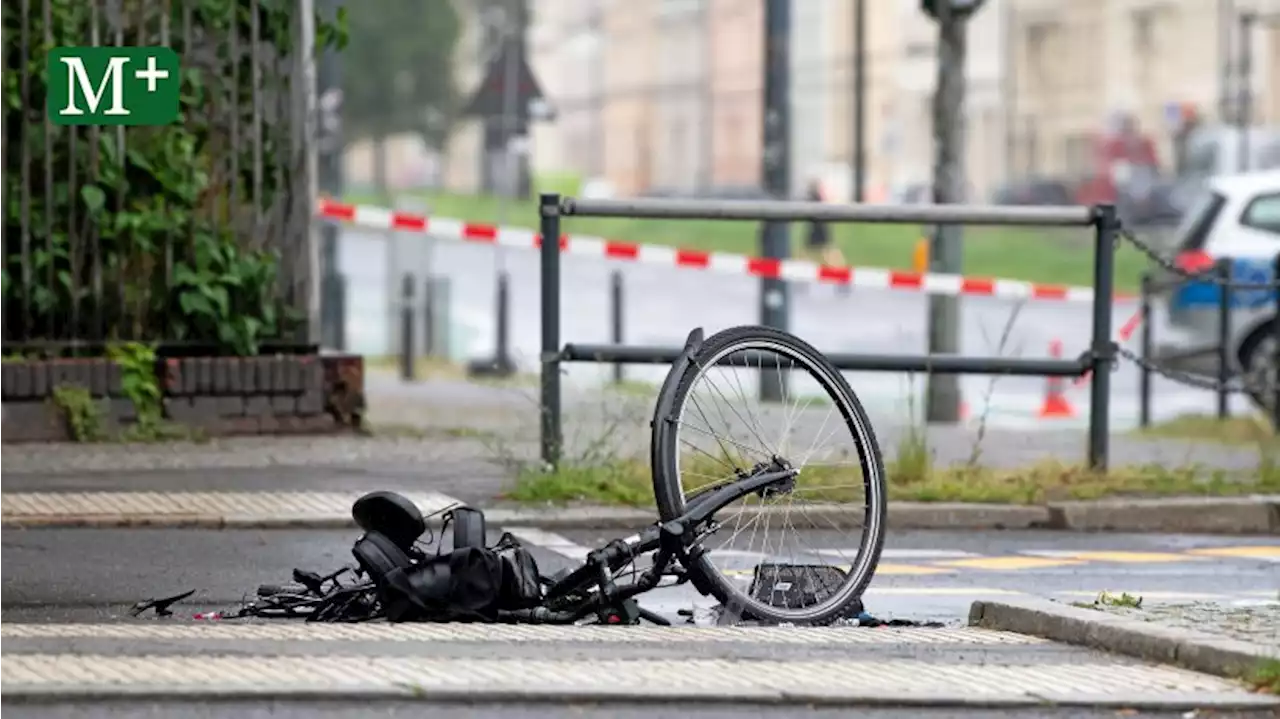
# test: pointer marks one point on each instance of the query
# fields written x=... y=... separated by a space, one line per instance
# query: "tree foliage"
x=398 y=68
x=157 y=237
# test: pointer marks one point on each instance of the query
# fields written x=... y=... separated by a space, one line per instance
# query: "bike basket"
x=795 y=586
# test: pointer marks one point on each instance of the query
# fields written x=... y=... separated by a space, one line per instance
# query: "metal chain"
x=1210 y=276
x=1234 y=385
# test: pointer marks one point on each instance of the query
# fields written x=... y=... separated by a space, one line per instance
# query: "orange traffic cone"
x=1055 y=405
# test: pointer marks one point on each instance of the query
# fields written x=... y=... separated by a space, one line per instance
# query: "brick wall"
x=217 y=396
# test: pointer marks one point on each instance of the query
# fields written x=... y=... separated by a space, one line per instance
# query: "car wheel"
x=1257 y=353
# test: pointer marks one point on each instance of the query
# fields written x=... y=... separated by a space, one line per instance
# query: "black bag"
x=796 y=586
x=521 y=588
x=463 y=585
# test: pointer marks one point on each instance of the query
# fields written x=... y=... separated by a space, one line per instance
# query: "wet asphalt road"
x=95 y=575
x=935 y=575
x=56 y=575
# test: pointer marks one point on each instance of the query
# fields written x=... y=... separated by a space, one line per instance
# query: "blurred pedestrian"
x=819 y=246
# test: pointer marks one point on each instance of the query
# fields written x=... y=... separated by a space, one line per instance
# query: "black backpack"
x=469 y=583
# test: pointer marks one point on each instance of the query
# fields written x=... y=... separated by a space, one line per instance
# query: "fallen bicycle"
x=457 y=576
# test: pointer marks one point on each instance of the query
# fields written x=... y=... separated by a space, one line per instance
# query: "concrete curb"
x=1198 y=651
x=176 y=521
x=1250 y=514
x=655 y=697
x=1253 y=515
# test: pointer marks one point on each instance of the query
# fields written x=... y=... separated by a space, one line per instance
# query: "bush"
x=153 y=232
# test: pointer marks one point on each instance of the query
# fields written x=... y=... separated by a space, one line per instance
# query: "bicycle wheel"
x=847 y=481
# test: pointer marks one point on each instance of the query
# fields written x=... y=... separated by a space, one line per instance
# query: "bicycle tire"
x=667 y=486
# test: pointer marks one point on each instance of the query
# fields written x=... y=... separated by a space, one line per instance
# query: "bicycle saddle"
x=391 y=515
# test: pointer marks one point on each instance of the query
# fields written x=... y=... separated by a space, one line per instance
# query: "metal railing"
x=1098 y=360
x=1228 y=378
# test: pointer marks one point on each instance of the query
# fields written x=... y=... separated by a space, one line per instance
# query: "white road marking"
x=557 y=543
x=566 y=547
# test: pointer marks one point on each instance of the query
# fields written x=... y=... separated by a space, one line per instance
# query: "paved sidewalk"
x=196 y=509
x=477 y=483
x=1207 y=645
x=1257 y=624
x=841 y=666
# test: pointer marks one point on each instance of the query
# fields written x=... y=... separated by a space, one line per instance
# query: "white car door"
x=1251 y=231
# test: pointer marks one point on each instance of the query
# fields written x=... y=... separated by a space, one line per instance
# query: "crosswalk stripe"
x=549 y=540
x=1010 y=562
x=1110 y=556
x=940 y=561
x=1269 y=553
x=920 y=554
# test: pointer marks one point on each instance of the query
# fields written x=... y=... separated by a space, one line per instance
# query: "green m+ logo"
x=112 y=85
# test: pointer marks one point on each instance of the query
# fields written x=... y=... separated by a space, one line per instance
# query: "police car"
x=1236 y=217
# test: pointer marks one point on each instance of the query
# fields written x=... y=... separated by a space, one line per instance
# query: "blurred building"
x=657 y=95
x=462 y=168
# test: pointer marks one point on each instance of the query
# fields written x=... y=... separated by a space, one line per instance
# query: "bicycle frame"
x=587 y=589
x=677 y=540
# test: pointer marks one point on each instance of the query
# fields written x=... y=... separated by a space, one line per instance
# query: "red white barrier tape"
x=795 y=270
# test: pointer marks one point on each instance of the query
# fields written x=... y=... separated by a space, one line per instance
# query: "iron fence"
x=1097 y=361
x=1231 y=370
x=195 y=234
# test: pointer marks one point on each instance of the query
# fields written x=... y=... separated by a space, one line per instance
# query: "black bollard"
x=1224 y=337
x=501 y=364
x=615 y=316
x=407 y=369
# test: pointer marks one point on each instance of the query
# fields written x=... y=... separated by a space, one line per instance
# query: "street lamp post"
x=942 y=392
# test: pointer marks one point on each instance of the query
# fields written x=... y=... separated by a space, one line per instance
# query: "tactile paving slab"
x=107 y=508
x=383 y=632
x=900 y=681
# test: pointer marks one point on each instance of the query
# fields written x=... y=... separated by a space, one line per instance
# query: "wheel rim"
x=1261 y=374
x=794 y=430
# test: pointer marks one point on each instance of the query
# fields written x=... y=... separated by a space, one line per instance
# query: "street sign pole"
x=946 y=251
x=775 y=243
